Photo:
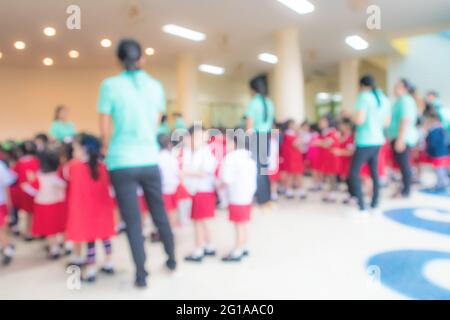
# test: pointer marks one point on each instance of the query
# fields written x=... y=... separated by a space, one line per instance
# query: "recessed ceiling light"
x=268 y=58
x=106 y=43
x=1 y=54
x=211 y=69
x=299 y=6
x=184 y=32
x=48 y=62
x=20 y=45
x=149 y=51
x=356 y=42
x=50 y=32
x=74 y=54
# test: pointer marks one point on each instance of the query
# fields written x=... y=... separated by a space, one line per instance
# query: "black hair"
x=129 y=53
x=92 y=147
x=28 y=148
x=369 y=81
x=259 y=85
x=66 y=152
x=164 y=141
x=163 y=118
x=49 y=160
x=58 y=111
x=433 y=93
x=43 y=137
x=408 y=86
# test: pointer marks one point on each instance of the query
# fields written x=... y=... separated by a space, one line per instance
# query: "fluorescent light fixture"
x=211 y=69
x=20 y=45
x=74 y=54
x=48 y=62
x=106 y=43
x=299 y=6
x=268 y=58
x=149 y=51
x=184 y=32
x=356 y=42
x=323 y=96
x=50 y=32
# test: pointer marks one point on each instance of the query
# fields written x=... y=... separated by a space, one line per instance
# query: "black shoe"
x=6 y=260
x=210 y=253
x=246 y=253
x=231 y=258
x=73 y=264
x=67 y=252
x=140 y=283
x=90 y=279
x=192 y=258
x=108 y=270
x=171 y=265
x=28 y=238
x=54 y=256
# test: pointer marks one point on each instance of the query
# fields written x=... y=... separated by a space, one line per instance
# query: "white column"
x=289 y=82
x=187 y=88
x=349 y=83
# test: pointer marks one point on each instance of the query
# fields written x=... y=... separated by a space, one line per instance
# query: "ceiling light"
x=48 y=62
x=20 y=45
x=356 y=42
x=184 y=32
x=149 y=51
x=299 y=6
x=1 y=54
x=268 y=58
x=323 y=96
x=211 y=69
x=74 y=54
x=50 y=32
x=106 y=43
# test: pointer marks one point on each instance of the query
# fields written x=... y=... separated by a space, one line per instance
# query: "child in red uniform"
x=49 y=217
x=292 y=160
x=274 y=164
x=199 y=178
x=26 y=169
x=90 y=215
x=7 y=178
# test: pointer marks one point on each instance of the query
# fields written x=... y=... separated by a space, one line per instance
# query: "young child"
x=26 y=168
x=292 y=160
x=90 y=205
x=170 y=176
x=49 y=217
x=199 y=179
x=314 y=159
x=7 y=178
x=437 y=150
x=238 y=174
x=274 y=164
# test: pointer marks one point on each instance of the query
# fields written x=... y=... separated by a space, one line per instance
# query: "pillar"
x=349 y=83
x=187 y=88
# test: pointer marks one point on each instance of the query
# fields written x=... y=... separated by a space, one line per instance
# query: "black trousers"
x=403 y=159
x=125 y=183
x=362 y=156
x=260 y=148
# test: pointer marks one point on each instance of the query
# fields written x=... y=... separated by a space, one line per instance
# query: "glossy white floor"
x=301 y=250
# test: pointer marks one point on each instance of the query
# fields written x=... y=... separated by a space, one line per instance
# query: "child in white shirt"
x=7 y=178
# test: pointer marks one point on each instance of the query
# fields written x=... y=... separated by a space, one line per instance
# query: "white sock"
x=301 y=192
x=289 y=193
x=55 y=249
x=108 y=265
x=91 y=271
x=198 y=252
x=237 y=253
x=68 y=246
x=8 y=251
x=209 y=247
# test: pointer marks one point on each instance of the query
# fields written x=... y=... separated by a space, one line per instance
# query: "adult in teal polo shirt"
x=260 y=118
x=403 y=132
x=371 y=117
x=130 y=106
x=61 y=128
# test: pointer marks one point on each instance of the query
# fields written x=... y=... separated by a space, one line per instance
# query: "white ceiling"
x=237 y=30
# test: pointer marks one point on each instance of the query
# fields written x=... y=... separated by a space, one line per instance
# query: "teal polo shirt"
x=60 y=130
x=405 y=107
x=255 y=112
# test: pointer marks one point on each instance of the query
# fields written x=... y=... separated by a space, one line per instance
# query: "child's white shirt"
x=170 y=170
x=274 y=155
x=7 y=178
x=201 y=160
x=239 y=174
x=52 y=189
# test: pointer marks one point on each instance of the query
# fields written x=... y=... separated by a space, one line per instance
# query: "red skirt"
x=442 y=162
x=203 y=206
x=3 y=215
x=328 y=162
x=26 y=202
x=344 y=164
x=170 y=202
x=143 y=205
x=49 y=219
x=182 y=193
x=240 y=213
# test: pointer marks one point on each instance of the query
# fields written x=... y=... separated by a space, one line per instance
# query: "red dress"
x=328 y=159
x=344 y=162
x=90 y=205
x=313 y=154
x=3 y=215
x=27 y=164
x=203 y=206
x=240 y=213
x=291 y=154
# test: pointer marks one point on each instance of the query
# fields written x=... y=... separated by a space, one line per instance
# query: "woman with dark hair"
x=260 y=118
x=61 y=128
x=130 y=107
x=371 y=118
x=403 y=132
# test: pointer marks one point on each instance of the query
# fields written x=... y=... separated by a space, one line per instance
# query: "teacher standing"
x=130 y=107
x=260 y=119
x=371 y=118
x=62 y=129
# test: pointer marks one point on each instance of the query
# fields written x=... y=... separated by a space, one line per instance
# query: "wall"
x=28 y=96
x=427 y=65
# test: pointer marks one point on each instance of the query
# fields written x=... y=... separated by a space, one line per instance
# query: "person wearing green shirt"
x=61 y=129
x=435 y=102
x=403 y=132
x=371 y=117
x=179 y=121
x=164 y=128
x=260 y=118
x=130 y=107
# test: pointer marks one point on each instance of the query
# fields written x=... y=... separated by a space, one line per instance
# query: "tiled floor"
x=300 y=250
